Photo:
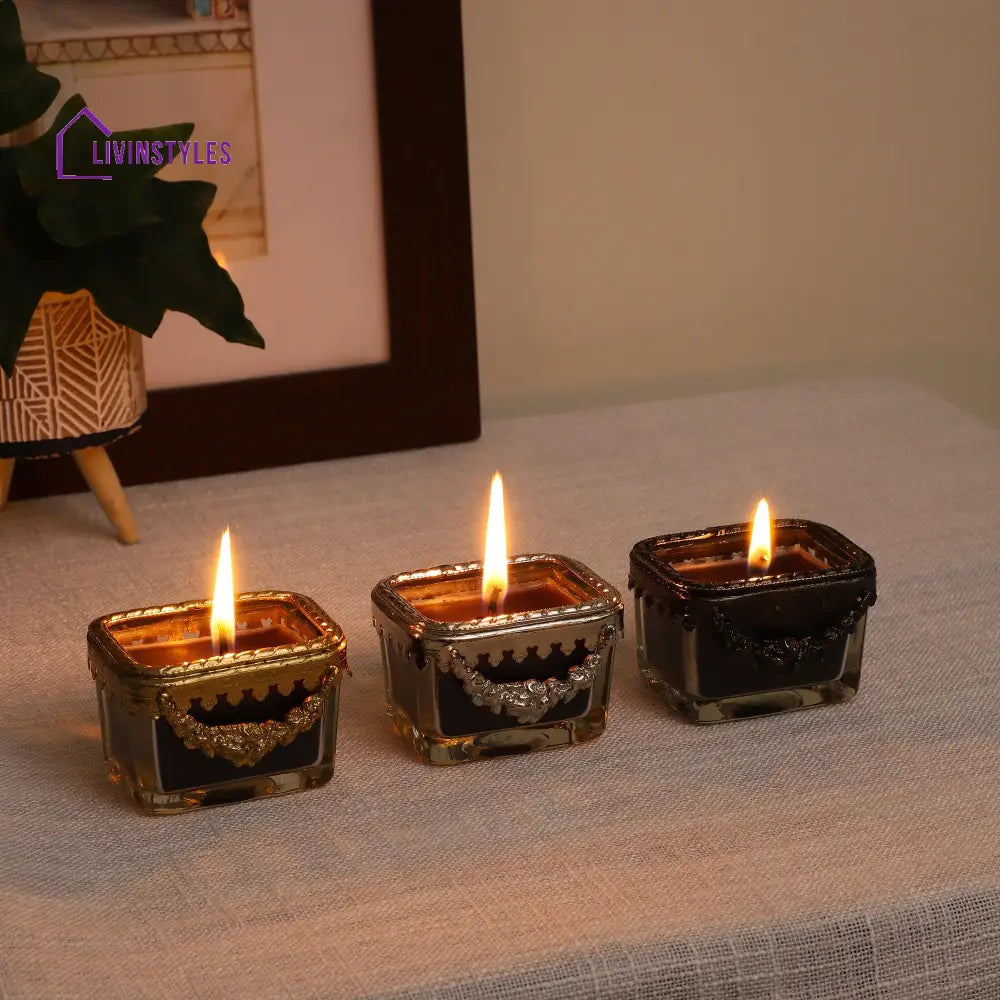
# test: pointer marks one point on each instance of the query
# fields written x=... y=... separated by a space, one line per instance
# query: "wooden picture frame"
x=427 y=393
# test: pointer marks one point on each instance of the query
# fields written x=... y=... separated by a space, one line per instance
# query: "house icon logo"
x=60 y=139
x=154 y=153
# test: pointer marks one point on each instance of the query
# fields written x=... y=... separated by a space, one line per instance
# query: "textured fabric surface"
x=841 y=852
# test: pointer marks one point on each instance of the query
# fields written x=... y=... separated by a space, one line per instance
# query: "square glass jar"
x=183 y=728
x=462 y=685
x=718 y=644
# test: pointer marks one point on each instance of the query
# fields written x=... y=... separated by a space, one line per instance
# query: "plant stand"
x=78 y=385
x=99 y=474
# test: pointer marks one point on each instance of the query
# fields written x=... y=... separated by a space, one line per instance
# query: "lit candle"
x=503 y=586
x=707 y=561
x=523 y=647
x=224 y=635
x=759 y=554
x=495 y=551
x=748 y=619
x=223 y=621
x=207 y=702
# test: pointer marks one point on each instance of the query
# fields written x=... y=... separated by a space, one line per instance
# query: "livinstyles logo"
x=152 y=152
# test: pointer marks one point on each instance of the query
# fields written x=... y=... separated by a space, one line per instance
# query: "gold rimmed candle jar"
x=471 y=673
x=725 y=631
x=186 y=724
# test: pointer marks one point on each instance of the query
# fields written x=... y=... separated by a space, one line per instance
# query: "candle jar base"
x=716 y=649
x=535 y=678
x=183 y=729
x=498 y=742
x=176 y=781
x=708 y=710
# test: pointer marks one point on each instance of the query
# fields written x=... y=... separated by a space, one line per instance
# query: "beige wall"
x=674 y=196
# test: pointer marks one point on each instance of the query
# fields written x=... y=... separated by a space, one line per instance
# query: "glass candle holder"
x=183 y=728
x=717 y=643
x=463 y=684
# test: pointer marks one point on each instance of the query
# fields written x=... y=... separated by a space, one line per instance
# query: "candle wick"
x=494 y=600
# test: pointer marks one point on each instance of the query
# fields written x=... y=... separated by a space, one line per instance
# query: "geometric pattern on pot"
x=77 y=374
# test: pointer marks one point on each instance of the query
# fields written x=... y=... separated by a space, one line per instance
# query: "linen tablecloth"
x=840 y=852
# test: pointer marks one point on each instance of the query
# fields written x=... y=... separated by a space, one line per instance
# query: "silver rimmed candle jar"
x=463 y=683
x=719 y=641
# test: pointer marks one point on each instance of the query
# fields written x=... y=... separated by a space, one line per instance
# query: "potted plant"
x=86 y=266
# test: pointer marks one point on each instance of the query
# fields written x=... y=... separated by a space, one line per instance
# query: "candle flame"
x=224 y=601
x=759 y=556
x=495 y=557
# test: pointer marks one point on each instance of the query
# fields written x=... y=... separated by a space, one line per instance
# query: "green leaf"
x=122 y=287
x=168 y=265
x=181 y=201
x=30 y=263
x=135 y=242
x=20 y=296
x=25 y=92
x=76 y=221
x=80 y=212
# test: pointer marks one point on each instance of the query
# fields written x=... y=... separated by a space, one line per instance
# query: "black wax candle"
x=462 y=683
x=718 y=643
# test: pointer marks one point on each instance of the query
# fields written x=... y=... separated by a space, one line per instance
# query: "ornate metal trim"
x=666 y=603
x=789 y=652
x=648 y=563
x=603 y=599
x=527 y=701
x=247 y=743
x=137 y=686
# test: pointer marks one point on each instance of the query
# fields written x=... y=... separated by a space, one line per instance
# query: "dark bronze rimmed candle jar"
x=718 y=641
x=463 y=684
x=183 y=728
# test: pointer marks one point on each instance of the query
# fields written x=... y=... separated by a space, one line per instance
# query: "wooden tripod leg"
x=97 y=470
x=6 y=471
